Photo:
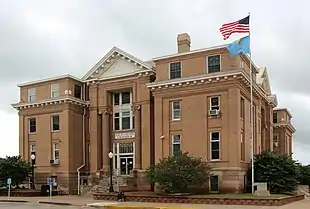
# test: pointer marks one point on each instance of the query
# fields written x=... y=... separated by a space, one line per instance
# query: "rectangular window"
x=242 y=108
x=123 y=120
x=175 y=70
x=242 y=147
x=215 y=103
x=55 y=123
x=215 y=145
x=176 y=144
x=55 y=151
x=32 y=94
x=32 y=151
x=126 y=98
x=176 y=110
x=78 y=91
x=55 y=90
x=275 y=117
x=32 y=125
x=123 y=98
x=214 y=63
x=275 y=138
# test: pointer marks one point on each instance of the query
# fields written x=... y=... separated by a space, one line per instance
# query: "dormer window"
x=175 y=70
x=214 y=63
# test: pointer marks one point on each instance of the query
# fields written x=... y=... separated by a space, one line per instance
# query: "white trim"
x=194 y=78
x=207 y=63
x=32 y=94
x=49 y=79
x=52 y=122
x=121 y=108
x=55 y=88
x=56 y=149
x=62 y=99
x=218 y=102
x=175 y=143
x=29 y=125
x=219 y=140
x=109 y=54
x=169 y=72
x=173 y=110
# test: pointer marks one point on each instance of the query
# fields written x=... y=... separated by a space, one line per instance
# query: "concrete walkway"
x=84 y=201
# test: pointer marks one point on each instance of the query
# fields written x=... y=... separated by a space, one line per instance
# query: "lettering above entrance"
x=125 y=135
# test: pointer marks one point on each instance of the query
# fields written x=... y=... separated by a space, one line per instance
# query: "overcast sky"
x=40 y=38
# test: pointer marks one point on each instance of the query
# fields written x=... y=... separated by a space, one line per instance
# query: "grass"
x=246 y=195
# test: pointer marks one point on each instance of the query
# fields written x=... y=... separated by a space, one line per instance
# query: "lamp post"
x=33 y=157
x=111 y=171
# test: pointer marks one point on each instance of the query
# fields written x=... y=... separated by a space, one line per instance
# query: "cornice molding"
x=51 y=101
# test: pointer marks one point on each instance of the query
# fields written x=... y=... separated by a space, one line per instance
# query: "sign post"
x=50 y=182
x=9 y=182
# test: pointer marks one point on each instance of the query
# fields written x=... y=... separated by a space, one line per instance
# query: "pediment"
x=117 y=63
x=263 y=80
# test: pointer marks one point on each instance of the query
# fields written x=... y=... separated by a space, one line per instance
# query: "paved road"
x=35 y=206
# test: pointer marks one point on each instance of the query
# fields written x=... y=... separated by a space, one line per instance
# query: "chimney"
x=184 y=43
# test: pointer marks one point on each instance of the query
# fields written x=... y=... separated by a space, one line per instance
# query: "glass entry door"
x=214 y=184
x=126 y=165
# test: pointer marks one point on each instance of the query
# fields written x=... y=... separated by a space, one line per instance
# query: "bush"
x=281 y=172
x=304 y=174
x=176 y=173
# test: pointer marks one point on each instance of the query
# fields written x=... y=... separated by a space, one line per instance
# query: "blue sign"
x=9 y=181
x=50 y=181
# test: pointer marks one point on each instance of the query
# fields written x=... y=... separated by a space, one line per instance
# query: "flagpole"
x=251 y=111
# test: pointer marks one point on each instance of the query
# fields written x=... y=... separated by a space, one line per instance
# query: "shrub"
x=176 y=173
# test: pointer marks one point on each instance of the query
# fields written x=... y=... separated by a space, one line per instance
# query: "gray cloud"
x=46 y=38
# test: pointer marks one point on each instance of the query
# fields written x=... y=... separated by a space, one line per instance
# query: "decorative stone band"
x=285 y=125
x=52 y=101
x=139 y=73
x=216 y=77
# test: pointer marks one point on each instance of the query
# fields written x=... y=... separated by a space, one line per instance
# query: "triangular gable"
x=263 y=80
x=118 y=57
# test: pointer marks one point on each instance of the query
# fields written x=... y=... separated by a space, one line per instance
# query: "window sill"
x=175 y=120
x=32 y=133
x=215 y=160
x=56 y=131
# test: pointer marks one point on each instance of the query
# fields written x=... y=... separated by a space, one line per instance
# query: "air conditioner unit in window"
x=214 y=112
x=54 y=162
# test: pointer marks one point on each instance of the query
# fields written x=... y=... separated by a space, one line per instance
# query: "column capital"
x=136 y=108
x=106 y=110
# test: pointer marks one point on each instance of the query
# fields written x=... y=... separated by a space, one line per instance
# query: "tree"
x=15 y=168
x=280 y=171
x=304 y=174
x=176 y=173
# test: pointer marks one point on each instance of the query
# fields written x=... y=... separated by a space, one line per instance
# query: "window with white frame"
x=55 y=123
x=214 y=63
x=32 y=151
x=175 y=70
x=176 y=144
x=32 y=94
x=215 y=103
x=122 y=112
x=55 y=151
x=215 y=145
x=55 y=90
x=176 y=110
x=32 y=125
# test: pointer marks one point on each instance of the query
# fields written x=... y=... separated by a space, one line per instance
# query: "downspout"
x=83 y=151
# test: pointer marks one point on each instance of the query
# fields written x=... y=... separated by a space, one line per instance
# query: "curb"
x=17 y=201
x=54 y=203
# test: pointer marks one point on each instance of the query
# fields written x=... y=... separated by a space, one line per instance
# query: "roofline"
x=49 y=79
x=203 y=50
x=190 y=52
x=282 y=108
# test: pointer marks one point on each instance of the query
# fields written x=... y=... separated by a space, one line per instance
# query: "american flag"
x=240 y=26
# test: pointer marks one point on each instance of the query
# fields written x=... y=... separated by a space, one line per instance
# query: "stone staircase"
x=103 y=185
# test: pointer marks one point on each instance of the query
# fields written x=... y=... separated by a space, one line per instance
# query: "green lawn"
x=246 y=195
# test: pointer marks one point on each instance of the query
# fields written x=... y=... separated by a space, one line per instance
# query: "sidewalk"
x=88 y=201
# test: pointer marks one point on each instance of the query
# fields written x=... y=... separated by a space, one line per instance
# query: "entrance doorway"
x=214 y=184
x=124 y=161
